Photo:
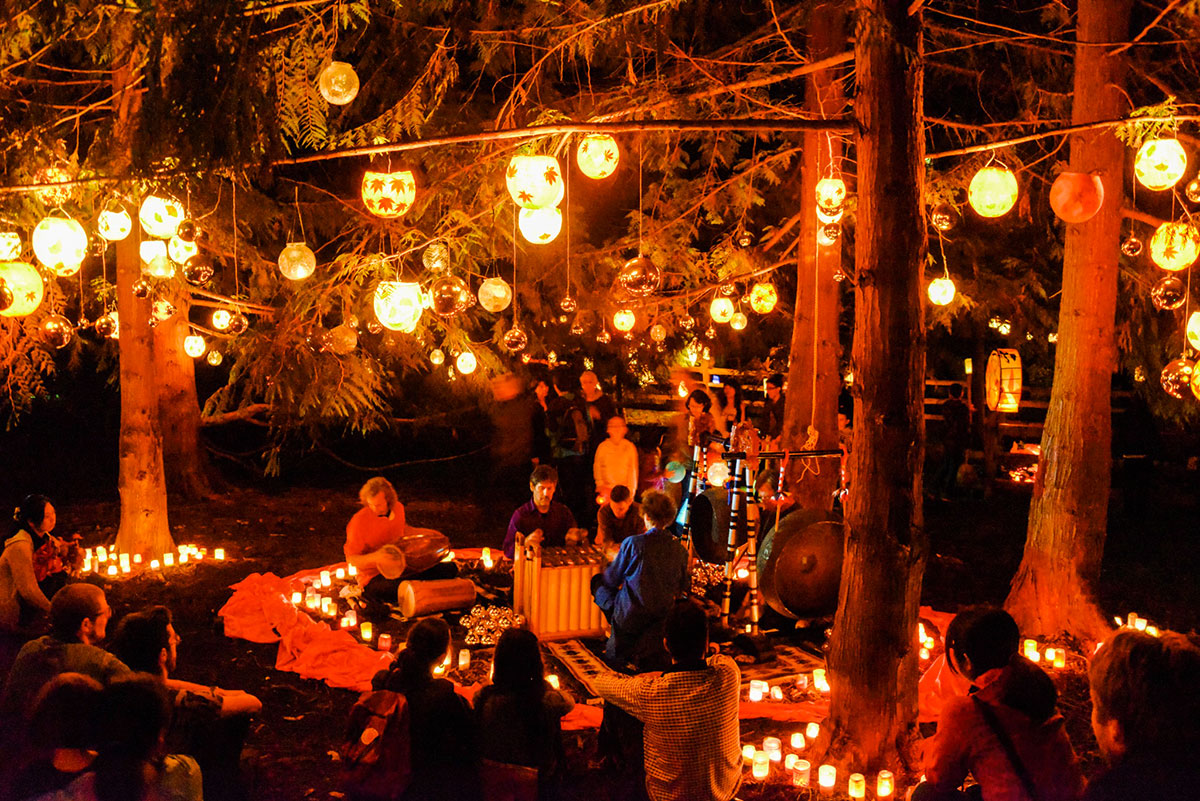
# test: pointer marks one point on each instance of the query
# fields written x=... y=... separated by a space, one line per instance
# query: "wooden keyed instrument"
x=552 y=588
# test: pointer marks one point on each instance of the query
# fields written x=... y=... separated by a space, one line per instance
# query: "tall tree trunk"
x=187 y=469
x=143 y=528
x=814 y=379
x=1053 y=588
x=873 y=651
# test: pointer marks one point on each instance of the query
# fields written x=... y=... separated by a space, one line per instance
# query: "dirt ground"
x=1149 y=568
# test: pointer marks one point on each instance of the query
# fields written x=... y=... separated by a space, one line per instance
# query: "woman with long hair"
x=33 y=564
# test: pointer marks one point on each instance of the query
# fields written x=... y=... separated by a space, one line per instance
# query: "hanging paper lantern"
x=106 y=325
x=180 y=251
x=26 y=285
x=941 y=291
x=515 y=340
x=825 y=217
x=297 y=261
x=160 y=216
x=114 y=225
x=540 y=226
x=1160 y=163
x=194 y=345
x=436 y=257
x=943 y=217
x=60 y=244
x=164 y=310
x=398 y=305
x=1175 y=246
x=624 y=320
x=437 y=357
x=466 y=362
x=338 y=83
x=738 y=321
x=155 y=263
x=829 y=234
x=54 y=195
x=389 y=194
x=831 y=194
x=10 y=246
x=1168 y=293
x=534 y=182
x=151 y=249
x=763 y=297
x=1193 y=330
x=495 y=294
x=214 y=358
x=993 y=191
x=1003 y=380
x=720 y=310
x=1176 y=376
x=1076 y=196
x=1132 y=246
x=57 y=331
x=597 y=156
x=343 y=339
x=221 y=319
x=658 y=332
x=639 y=277
x=198 y=269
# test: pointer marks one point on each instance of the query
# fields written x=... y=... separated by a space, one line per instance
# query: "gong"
x=800 y=564
x=710 y=525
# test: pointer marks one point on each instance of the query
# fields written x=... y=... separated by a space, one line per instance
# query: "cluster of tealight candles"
x=464 y=662
x=1053 y=657
x=800 y=770
x=762 y=690
x=107 y=562
x=927 y=643
x=1133 y=621
x=315 y=601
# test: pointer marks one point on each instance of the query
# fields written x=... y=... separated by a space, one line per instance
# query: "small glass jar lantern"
x=297 y=261
x=1175 y=246
x=194 y=345
x=338 y=83
x=389 y=194
x=60 y=243
x=827 y=777
x=885 y=784
x=495 y=294
x=597 y=156
x=540 y=226
x=1160 y=163
x=721 y=310
x=761 y=766
x=466 y=362
x=1003 y=379
x=534 y=182
x=114 y=224
x=941 y=291
x=856 y=787
x=398 y=305
x=624 y=320
x=993 y=191
x=437 y=357
x=160 y=216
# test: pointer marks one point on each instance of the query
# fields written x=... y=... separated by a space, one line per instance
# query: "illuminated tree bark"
x=1053 y=588
x=873 y=651
x=184 y=461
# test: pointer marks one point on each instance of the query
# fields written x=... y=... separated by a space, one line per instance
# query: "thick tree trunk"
x=143 y=528
x=814 y=379
x=1053 y=588
x=873 y=652
x=188 y=473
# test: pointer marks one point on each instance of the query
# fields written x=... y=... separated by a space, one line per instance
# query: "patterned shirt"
x=691 y=740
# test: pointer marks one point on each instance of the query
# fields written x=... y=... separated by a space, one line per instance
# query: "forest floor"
x=1149 y=568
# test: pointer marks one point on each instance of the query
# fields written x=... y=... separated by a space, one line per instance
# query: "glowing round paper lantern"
x=450 y=295
x=214 y=358
x=151 y=249
x=763 y=297
x=941 y=291
x=826 y=217
x=194 y=345
x=624 y=319
x=718 y=474
x=738 y=321
x=1160 y=163
x=1168 y=293
x=160 y=216
x=114 y=225
x=389 y=194
x=540 y=226
x=720 y=310
x=597 y=156
x=993 y=191
x=639 y=277
x=180 y=251
x=60 y=244
x=398 y=305
x=1076 y=196
x=437 y=357
x=342 y=339
x=54 y=195
x=495 y=294
x=57 y=331
x=26 y=285
x=534 y=182
x=10 y=246
x=1176 y=376
x=1003 y=380
x=466 y=362
x=1193 y=330
x=221 y=319
x=1174 y=246
x=338 y=83
x=658 y=332
x=297 y=261
x=831 y=194
x=515 y=340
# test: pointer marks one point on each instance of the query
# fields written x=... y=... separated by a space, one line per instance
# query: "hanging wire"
x=516 y=298
x=237 y=288
x=300 y=216
x=641 y=153
x=567 y=214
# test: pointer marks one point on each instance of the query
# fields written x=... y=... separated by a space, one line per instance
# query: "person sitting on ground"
x=441 y=727
x=1146 y=717
x=386 y=551
x=131 y=764
x=520 y=716
x=618 y=519
x=542 y=519
x=208 y=723
x=34 y=564
x=690 y=714
x=638 y=589
x=616 y=461
x=63 y=737
x=1006 y=732
x=79 y=615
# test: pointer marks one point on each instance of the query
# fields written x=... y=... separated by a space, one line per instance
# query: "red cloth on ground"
x=368 y=532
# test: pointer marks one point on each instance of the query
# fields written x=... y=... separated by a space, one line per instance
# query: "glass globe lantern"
x=721 y=310
x=640 y=277
x=60 y=244
x=106 y=325
x=495 y=294
x=398 y=305
x=738 y=321
x=941 y=291
x=993 y=191
x=436 y=257
x=343 y=339
x=1160 y=163
x=1176 y=376
x=160 y=216
x=198 y=269
x=57 y=331
x=194 y=345
x=1174 y=246
x=214 y=358
x=828 y=235
x=534 y=182
x=515 y=340
x=658 y=332
x=597 y=156
x=338 y=83
x=297 y=261
x=540 y=226
x=437 y=357
x=1168 y=293
x=624 y=320
x=238 y=323
x=450 y=295
x=466 y=362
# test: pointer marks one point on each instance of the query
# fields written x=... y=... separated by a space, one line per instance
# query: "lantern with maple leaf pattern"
x=535 y=182
x=389 y=194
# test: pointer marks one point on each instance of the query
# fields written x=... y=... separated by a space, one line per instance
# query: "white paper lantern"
x=221 y=319
x=60 y=244
x=597 y=156
x=941 y=291
x=114 y=225
x=993 y=191
x=160 y=216
x=495 y=294
x=466 y=362
x=540 y=226
x=194 y=345
x=1160 y=163
x=10 y=246
x=831 y=195
x=338 y=83
x=721 y=310
x=398 y=305
x=26 y=286
x=180 y=251
x=535 y=182
x=297 y=261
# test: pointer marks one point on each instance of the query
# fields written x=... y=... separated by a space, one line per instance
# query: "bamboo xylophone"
x=552 y=588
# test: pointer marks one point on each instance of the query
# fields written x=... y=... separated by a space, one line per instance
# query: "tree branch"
x=1070 y=129
x=246 y=414
x=1170 y=6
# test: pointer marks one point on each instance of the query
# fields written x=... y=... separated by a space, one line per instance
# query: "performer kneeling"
x=385 y=551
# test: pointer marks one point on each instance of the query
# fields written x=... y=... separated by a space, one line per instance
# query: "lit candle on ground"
x=344 y=623
x=219 y=554
x=154 y=564
x=552 y=680
x=464 y=659
x=827 y=777
x=748 y=754
x=857 y=787
x=755 y=694
x=124 y=560
x=798 y=741
x=761 y=766
x=800 y=773
x=352 y=570
x=774 y=748
x=183 y=557
x=352 y=616
x=365 y=631
x=297 y=598
x=327 y=606
x=325 y=580
x=802 y=681
x=1151 y=630
x=168 y=559
x=789 y=761
x=487 y=559
x=819 y=680
x=101 y=553
x=1140 y=624
x=125 y=567
x=385 y=642
x=137 y=558
x=885 y=784
x=112 y=570
x=1131 y=620
x=776 y=693
x=1049 y=655
x=812 y=730
x=924 y=653
x=340 y=573
x=312 y=602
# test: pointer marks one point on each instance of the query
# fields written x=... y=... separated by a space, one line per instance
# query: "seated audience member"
x=442 y=729
x=385 y=550
x=33 y=564
x=618 y=519
x=616 y=460
x=519 y=718
x=208 y=723
x=542 y=519
x=79 y=616
x=690 y=714
x=63 y=737
x=1146 y=717
x=132 y=764
x=1005 y=732
x=638 y=589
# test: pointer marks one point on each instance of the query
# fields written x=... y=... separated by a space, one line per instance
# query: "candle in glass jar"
x=1140 y=624
x=789 y=761
x=802 y=681
x=800 y=773
x=552 y=680
x=327 y=606
x=101 y=553
x=137 y=558
x=820 y=681
x=365 y=631
x=344 y=622
x=154 y=564
x=464 y=659
x=827 y=777
x=812 y=730
x=351 y=570
x=773 y=747
x=885 y=784
x=124 y=560
x=340 y=573
x=748 y=754
x=168 y=559
x=385 y=642
x=297 y=598
x=352 y=616
x=219 y=554
x=755 y=694
x=325 y=581
x=761 y=766
x=857 y=786
x=486 y=559
x=798 y=741
x=183 y=557
x=776 y=693
x=312 y=601
x=112 y=570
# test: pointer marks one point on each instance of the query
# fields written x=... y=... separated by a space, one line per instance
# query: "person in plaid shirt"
x=690 y=712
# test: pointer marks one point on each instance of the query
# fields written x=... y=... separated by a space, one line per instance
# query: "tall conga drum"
x=800 y=564
x=426 y=597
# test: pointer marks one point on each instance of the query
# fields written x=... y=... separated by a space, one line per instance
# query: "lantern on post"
x=26 y=286
x=1160 y=163
x=534 y=182
x=597 y=156
x=1175 y=246
x=398 y=305
x=1002 y=380
x=389 y=194
x=993 y=191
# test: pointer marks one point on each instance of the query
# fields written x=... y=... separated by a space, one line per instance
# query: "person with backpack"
x=1005 y=732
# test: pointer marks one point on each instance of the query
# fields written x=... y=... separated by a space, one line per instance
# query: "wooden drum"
x=552 y=588
x=426 y=597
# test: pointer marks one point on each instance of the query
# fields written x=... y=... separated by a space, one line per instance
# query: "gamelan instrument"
x=800 y=563
x=552 y=587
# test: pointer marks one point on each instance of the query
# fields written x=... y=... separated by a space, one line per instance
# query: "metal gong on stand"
x=710 y=525
x=800 y=564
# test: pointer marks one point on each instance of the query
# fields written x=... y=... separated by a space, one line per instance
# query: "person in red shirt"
x=385 y=550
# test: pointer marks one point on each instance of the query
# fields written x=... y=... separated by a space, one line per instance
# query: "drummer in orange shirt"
x=386 y=551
